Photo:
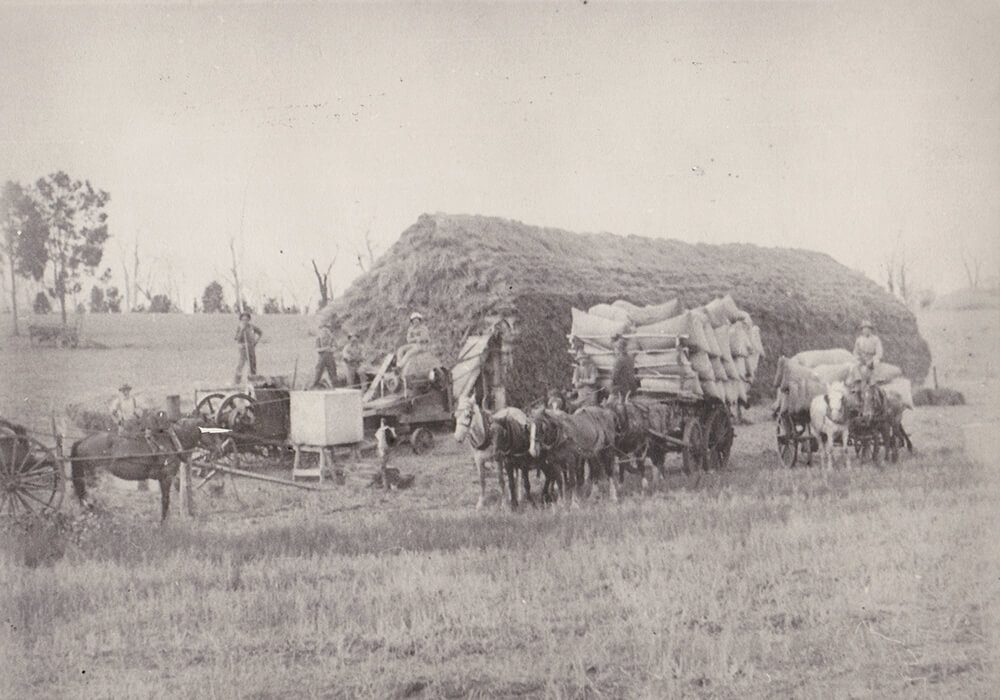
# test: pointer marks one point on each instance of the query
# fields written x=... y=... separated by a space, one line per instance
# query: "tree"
x=41 y=304
x=160 y=304
x=211 y=299
x=323 y=280
x=113 y=300
x=21 y=227
x=75 y=227
x=97 y=303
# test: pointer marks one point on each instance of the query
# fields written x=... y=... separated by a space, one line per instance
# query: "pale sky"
x=847 y=128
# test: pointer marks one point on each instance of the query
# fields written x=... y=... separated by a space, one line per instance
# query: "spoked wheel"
x=788 y=443
x=693 y=454
x=31 y=477
x=237 y=412
x=208 y=406
x=422 y=440
x=719 y=440
x=221 y=454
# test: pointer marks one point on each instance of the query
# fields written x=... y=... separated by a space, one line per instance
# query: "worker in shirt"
x=247 y=336
x=623 y=379
x=585 y=379
x=867 y=355
x=123 y=407
x=353 y=357
x=326 y=353
x=418 y=338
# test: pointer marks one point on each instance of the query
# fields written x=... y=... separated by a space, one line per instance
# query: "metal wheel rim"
x=788 y=446
x=693 y=457
x=31 y=478
x=241 y=418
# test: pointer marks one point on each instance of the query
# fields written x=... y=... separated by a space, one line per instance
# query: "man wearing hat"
x=123 y=407
x=586 y=378
x=353 y=356
x=326 y=352
x=247 y=336
x=417 y=338
x=623 y=379
x=867 y=352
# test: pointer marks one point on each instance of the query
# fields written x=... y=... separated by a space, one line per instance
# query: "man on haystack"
x=867 y=354
x=418 y=338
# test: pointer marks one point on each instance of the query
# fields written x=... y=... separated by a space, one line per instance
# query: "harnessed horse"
x=883 y=417
x=133 y=457
x=828 y=417
x=587 y=437
x=632 y=437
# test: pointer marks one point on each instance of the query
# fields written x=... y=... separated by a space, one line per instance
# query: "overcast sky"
x=853 y=129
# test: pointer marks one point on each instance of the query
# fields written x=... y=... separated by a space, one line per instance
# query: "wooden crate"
x=331 y=417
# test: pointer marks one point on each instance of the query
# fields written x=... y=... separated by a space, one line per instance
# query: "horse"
x=883 y=416
x=134 y=457
x=828 y=417
x=571 y=441
x=632 y=437
x=471 y=426
x=511 y=439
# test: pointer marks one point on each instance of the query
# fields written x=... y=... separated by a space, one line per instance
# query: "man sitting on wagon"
x=586 y=384
x=867 y=355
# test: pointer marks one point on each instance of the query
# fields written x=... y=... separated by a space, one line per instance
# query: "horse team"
x=596 y=444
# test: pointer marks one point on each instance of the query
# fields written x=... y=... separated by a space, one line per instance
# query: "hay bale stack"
x=458 y=270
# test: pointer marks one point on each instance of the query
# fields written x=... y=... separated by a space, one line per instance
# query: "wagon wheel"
x=719 y=439
x=31 y=477
x=208 y=406
x=693 y=455
x=223 y=453
x=788 y=444
x=422 y=440
x=237 y=412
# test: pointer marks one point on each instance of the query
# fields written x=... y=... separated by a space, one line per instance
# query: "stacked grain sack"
x=834 y=365
x=710 y=351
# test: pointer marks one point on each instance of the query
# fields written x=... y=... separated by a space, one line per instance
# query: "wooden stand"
x=325 y=453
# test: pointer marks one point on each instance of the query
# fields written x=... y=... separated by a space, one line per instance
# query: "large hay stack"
x=458 y=270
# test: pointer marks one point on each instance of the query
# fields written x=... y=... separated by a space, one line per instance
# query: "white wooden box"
x=330 y=417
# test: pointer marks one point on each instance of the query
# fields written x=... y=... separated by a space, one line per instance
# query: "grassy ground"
x=757 y=581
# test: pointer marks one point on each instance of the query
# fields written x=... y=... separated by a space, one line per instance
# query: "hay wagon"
x=32 y=479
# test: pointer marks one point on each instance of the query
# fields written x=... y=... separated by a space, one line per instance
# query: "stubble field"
x=756 y=581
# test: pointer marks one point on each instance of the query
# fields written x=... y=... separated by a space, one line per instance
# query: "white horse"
x=828 y=417
x=471 y=426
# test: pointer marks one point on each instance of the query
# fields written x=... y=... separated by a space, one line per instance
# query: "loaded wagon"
x=693 y=368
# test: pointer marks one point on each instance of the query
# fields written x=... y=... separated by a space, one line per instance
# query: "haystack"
x=459 y=271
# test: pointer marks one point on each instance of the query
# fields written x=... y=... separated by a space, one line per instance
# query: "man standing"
x=123 y=407
x=326 y=351
x=353 y=357
x=623 y=380
x=247 y=337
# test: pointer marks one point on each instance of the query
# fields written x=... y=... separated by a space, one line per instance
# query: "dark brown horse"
x=511 y=439
x=587 y=437
x=881 y=415
x=133 y=456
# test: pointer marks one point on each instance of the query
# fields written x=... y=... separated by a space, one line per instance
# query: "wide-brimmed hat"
x=125 y=386
x=867 y=324
x=416 y=315
x=245 y=313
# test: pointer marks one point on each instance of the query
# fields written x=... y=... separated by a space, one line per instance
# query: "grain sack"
x=731 y=371
x=742 y=387
x=594 y=328
x=662 y=333
x=884 y=372
x=672 y=385
x=800 y=385
x=742 y=367
x=752 y=362
x=739 y=340
x=814 y=358
x=900 y=390
x=710 y=337
x=714 y=389
x=724 y=310
x=645 y=315
x=756 y=341
x=732 y=390
x=608 y=311
x=828 y=374
x=718 y=369
x=702 y=365
x=662 y=358
x=722 y=335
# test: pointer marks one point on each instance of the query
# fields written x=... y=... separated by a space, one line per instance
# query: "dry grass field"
x=754 y=582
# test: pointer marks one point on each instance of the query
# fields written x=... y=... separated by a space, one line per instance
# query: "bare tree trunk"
x=324 y=284
x=236 y=276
